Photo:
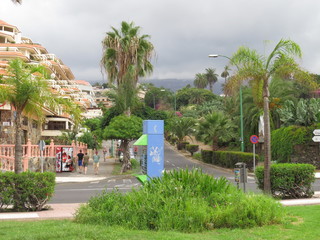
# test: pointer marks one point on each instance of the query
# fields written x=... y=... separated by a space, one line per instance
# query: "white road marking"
x=94 y=182
x=127 y=181
x=111 y=180
x=18 y=215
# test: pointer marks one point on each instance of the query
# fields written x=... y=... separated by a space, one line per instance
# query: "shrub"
x=289 y=180
x=182 y=145
x=284 y=139
x=197 y=156
x=183 y=200
x=206 y=156
x=228 y=159
x=27 y=191
x=192 y=148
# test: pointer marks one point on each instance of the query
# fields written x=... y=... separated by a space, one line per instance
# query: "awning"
x=142 y=141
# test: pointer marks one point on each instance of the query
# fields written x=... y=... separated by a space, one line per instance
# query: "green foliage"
x=124 y=127
x=192 y=148
x=93 y=123
x=284 y=139
x=27 y=191
x=289 y=180
x=206 y=156
x=181 y=127
x=228 y=159
x=186 y=201
x=186 y=96
x=91 y=140
x=304 y=113
x=215 y=128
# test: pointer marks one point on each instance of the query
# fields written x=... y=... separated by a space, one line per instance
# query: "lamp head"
x=213 y=55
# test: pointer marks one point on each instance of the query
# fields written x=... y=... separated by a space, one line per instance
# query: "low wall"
x=49 y=164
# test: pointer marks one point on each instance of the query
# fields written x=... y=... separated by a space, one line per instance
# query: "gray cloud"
x=183 y=32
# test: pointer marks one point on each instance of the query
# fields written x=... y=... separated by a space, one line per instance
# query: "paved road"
x=81 y=192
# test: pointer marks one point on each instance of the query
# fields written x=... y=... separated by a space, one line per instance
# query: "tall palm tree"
x=200 y=80
x=225 y=74
x=27 y=93
x=215 y=127
x=211 y=76
x=258 y=69
x=126 y=57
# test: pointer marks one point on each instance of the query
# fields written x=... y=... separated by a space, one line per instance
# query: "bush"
x=206 y=156
x=228 y=159
x=182 y=145
x=183 y=200
x=289 y=180
x=197 y=156
x=192 y=148
x=27 y=191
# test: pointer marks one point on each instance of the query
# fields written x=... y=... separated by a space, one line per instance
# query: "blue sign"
x=155 y=148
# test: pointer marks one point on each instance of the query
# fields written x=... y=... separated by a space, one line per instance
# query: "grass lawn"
x=305 y=225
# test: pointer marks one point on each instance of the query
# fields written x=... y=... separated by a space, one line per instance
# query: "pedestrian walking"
x=85 y=162
x=96 y=159
x=80 y=159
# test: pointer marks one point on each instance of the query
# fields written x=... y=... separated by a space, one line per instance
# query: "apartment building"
x=62 y=81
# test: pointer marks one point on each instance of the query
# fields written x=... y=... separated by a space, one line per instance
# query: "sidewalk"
x=67 y=211
x=105 y=171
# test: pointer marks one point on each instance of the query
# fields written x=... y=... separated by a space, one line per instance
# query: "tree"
x=225 y=73
x=211 y=76
x=27 y=92
x=125 y=128
x=181 y=127
x=258 y=69
x=200 y=80
x=126 y=57
x=214 y=128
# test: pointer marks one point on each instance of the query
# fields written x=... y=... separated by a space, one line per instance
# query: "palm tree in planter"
x=27 y=92
x=258 y=69
x=214 y=128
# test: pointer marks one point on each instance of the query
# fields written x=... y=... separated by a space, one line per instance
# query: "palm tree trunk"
x=126 y=165
x=18 y=144
x=267 y=139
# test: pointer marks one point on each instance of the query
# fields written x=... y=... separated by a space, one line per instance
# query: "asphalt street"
x=82 y=191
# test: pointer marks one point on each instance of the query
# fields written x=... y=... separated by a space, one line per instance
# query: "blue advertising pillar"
x=155 y=148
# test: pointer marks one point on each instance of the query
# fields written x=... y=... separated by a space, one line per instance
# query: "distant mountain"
x=176 y=84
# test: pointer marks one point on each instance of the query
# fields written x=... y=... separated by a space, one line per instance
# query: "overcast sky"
x=183 y=32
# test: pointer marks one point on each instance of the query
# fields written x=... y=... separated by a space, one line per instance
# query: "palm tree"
x=215 y=127
x=182 y=127
x=258 y=69
x=27 y=93
x=211 y=76
x=200 y=80
x=225 y=74
x=126 y=57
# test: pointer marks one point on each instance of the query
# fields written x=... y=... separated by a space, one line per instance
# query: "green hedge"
x=228 y=159
x=182 y=145
x=289 y=180
x=206 y=156
x=27 y=191
x=192 y=148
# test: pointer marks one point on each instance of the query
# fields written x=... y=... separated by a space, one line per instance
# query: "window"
x=55 y=125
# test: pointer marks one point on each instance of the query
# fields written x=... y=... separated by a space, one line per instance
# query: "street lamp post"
x=240 y=93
